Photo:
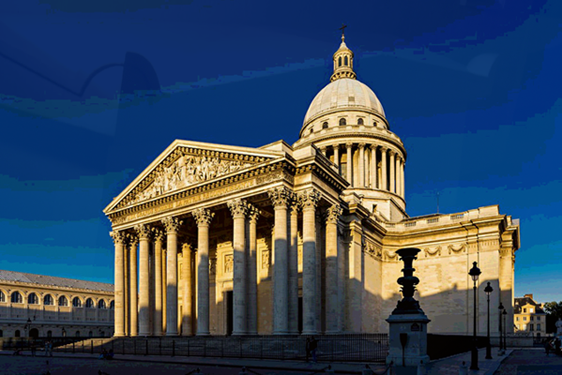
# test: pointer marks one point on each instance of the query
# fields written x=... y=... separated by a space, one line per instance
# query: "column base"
x=239 y=333
x=172 y=334
x=203 y=334
x=309 y=333
x=332 y=332
x=281 y=333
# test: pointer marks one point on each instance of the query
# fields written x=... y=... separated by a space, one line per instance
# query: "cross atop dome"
x=343 y=60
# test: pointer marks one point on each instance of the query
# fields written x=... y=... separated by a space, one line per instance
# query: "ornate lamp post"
x=488 y=290
x=474 y=273
x=500 y=308
x=27 y=327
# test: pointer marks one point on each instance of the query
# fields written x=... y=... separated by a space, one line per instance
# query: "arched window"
x=17 y=333
x=48 y=300
x=1 y=333
x=89 y=303
x=63 y=332
x=360 y=121
x=90 y=334
x=16 y=298
x=77 y=334
x=345 y=61
x=111 y=305
x=63 y=301
x=102 y=333
x=311 y=130
x=342 y=121
x=325 y=125
x=2 y=296
x=76 y=302
x=339 y=61
x=32 y=299
x=101 y=304
x=49 y=333
x=374 y=123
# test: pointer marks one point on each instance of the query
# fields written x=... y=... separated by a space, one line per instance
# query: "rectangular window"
x=517 y=318
x=524 y=318
x=531 y=310
x=524 y=310
x=538 y=318
x=532 y=318
x=538 y=327
x=532 y=327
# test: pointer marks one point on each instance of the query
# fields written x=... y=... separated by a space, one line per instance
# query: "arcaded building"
x=46 y=306
x=298 y=239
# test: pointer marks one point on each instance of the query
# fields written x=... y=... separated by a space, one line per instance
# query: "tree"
x=553 y=313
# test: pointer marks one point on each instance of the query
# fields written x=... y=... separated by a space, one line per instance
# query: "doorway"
x=300 y=315
x=229 y=313
x=34 y=333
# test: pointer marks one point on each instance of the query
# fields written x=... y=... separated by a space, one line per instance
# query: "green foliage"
x=553 y=313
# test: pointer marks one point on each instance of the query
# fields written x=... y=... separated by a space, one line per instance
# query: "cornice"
x=53 y=287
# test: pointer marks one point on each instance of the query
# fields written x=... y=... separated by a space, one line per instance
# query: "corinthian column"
x=374 y=167
x=349 y=165
x=252 y=272
x=172 y=225
x=383 y=169
x=280 y=198
x=187 y=294
x=239 y=209
x=309 y=199
x=203 y=218
x=158 y=240
x=133 y=290
x=337 y=155
x=392 y=172
x=402 y=166
x=361 y=165
x=333 y=310
x=119 y=239
x=293 y=269
x=143 y=233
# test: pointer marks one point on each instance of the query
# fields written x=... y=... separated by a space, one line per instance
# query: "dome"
x=343 y=94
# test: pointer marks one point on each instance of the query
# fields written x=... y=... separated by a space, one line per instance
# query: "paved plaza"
x=531 y=362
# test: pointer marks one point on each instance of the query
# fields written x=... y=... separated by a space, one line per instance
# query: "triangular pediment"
x=185 y=164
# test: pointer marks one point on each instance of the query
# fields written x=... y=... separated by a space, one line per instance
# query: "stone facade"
x=286 y=239
x=529 y=317
x=55 y=306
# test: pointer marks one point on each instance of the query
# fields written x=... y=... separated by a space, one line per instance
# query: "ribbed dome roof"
x=343 y=94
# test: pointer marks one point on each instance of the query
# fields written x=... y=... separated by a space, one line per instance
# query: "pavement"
x=526 y=361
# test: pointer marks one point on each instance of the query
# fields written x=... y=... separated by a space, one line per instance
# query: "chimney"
x=529 y=295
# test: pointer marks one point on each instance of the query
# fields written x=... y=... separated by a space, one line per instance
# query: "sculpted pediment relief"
x=186 y=163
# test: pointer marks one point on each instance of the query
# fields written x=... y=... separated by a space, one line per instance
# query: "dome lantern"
x=343 y=61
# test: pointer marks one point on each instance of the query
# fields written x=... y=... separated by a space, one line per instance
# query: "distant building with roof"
x=48 y=306
x=529 y=316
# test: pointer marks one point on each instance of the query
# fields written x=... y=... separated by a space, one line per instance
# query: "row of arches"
x=34 y=332
x=48 y=300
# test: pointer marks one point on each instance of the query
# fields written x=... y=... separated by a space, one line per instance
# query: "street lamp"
x=474 y=273
x=500 y=308
x=27 y=327
x=488 y=290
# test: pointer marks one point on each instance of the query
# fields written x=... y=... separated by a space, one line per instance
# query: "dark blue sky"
x=471 y=87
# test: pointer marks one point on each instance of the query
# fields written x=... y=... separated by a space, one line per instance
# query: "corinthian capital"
x=172 y=224
x=333 y=213
x=309 y=198
x=143 y=231
x=280 y=196
x=253 y=214
x=132 y=239
x=362 y=145
x=158 y=235
x=118 y=237
x=203 y=216
x=238 y=207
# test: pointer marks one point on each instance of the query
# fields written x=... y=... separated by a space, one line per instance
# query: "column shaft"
x=293 y=272
x=164 y=288
x=337 y=155
x=119 y=284
x=361 y=165
x=252 y=314
x=203 y=218
x=133 y=290
x=309 y=298
x=374 y=182
x=239 y=209
x=157 y=328
x=186 y=325
x=172 y=225
x=392 y=172
x=349 y=165
x=144 y=285
x=332 y=282
x=402 y=179
x=384 y=185
x=280 y=273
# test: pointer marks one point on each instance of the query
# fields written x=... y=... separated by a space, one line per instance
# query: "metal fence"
x=352 y=347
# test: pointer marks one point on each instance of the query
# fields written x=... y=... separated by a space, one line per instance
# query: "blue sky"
x=471 y=87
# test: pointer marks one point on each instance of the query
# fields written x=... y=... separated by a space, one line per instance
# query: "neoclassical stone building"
x=285 y=239
x=47 y=306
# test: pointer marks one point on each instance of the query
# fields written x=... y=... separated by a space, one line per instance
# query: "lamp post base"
x=474 y=358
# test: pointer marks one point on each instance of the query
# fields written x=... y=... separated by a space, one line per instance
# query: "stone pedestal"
x=414 y=326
